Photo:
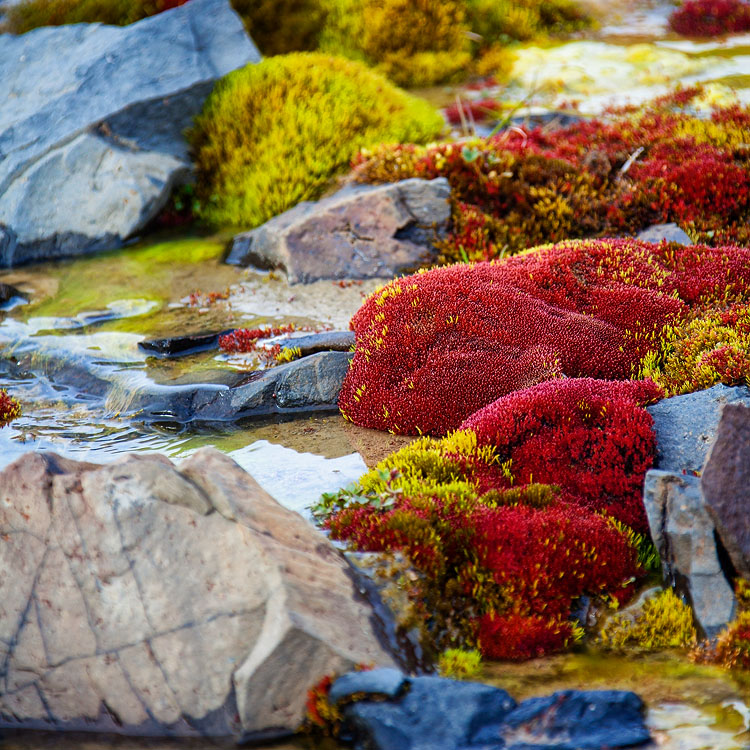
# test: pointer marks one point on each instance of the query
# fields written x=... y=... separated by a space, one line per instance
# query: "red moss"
x=434 y=347
x=246 y=339
x=711 y=17
x=482 y=562
x=515 y=637
x=10 y=409
x=478 y=111
x=591 y=438
x=593 y=178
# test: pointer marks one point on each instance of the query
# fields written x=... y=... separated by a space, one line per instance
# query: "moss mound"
x=273 y=134
x=34 y=13
x=453 y=34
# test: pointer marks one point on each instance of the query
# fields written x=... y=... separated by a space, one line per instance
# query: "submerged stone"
x=426 y=713
x=577 y=720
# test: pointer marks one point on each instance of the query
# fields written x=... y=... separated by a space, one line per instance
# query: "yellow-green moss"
x=664 y=622
x=703 y=351
x=460 y=664
x=274 y=134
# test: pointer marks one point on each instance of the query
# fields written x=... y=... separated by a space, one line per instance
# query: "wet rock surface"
x=726 y=484
x=91 y=127
x=685 y=537
x=685 y=426
x=144 y=598
x=421 y=713
x=363 y=231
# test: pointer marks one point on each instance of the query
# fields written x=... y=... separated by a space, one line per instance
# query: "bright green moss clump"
x=273 y=134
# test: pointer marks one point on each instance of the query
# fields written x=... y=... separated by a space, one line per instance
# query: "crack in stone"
x=145 y=642
x=22 y=621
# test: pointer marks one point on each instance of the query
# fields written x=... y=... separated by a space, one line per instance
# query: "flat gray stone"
x=683 y=533
x=361 y=232
x=385 y=681
x=91 y=125
x=669 y=232
x=726 y=484
x=685 y=426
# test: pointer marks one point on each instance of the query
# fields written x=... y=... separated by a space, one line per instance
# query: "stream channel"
x=96 y=310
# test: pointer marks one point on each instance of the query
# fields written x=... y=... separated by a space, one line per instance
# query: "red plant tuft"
x=711 y=17
x=434 y=347
x=592 y=438
x=246 y=339
x=10 y=409
x=498 y=566
x=515 y=637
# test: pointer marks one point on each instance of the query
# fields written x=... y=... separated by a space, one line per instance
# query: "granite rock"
x=144 y=598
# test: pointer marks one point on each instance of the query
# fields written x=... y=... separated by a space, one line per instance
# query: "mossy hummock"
x=273 y=134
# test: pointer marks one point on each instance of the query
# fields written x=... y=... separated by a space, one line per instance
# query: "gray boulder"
x=726 y=484
x=685 y=426
x=669 y=232
x=361 y=232
x=143 y=598
x=684 y=535
x=91 y=125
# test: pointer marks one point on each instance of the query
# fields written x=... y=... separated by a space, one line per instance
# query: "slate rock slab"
x=91 y=124
x=433 y=713
x=684 y=535
x=361 y=232
x=685 y=426
x=726 y=484
x=391 y=711
x=577 y=720
x=141 y=597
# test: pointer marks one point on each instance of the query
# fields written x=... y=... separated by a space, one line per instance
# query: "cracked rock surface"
x=91 y=124
x=361 y=232
x=143 y=598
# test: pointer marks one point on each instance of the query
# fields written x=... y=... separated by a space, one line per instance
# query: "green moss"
x=664 y=622
x=274 y=134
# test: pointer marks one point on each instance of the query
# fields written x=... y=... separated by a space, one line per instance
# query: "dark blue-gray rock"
x=181 y=346
x=385 y=681
x=577 y=720
x=684 y=535
x=326 y=341
x=361 y=232
x=433 y=713
x=669 y=232
x=726 y=484
x=91 y=124
x=685 y=426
